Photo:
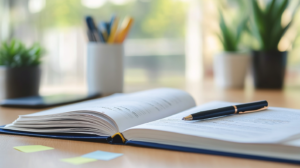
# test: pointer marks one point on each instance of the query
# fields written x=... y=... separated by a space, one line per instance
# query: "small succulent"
x=266 y=23
x=230 y=34
x=15 y=54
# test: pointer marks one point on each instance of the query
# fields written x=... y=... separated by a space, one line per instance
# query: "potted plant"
x=230 y=65
x=268 y=63
x=22 y=71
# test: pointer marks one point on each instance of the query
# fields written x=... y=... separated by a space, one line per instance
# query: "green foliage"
x=266 y=25
x=152 y=18
x=166 y=18
x=230 y=33
x=15 y=54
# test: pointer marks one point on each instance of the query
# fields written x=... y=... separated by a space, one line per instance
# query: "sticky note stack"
x=91 y=157
x=32 y=148
x=78 y=160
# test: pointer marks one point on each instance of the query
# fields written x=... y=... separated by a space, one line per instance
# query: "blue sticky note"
x=101 y=155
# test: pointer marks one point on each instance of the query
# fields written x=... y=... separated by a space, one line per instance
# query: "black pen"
x=236 y=109
x=93 y=33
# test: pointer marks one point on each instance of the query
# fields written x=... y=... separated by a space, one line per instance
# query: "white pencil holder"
x=105 y=70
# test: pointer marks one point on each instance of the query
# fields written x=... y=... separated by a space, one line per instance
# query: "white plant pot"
x=2 y=82
x=230 y=69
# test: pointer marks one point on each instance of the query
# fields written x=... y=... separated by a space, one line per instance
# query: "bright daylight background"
x=171 y=43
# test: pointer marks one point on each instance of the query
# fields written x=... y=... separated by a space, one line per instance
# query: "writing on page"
x=272 y=125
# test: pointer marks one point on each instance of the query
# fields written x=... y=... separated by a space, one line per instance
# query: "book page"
x=274 y=125
x=133 y=109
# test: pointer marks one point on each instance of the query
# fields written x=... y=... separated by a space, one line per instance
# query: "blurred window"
x=154 y=50
x=172 y=42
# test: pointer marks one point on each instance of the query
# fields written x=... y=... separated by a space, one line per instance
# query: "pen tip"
x=187 y=118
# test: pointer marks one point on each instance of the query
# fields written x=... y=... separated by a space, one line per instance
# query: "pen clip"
x=261 y=109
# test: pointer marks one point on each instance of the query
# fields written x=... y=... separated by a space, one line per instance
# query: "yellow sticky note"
x=32 y=148
x=78 y=160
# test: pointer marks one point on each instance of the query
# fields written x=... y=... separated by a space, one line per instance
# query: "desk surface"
x=138 y=156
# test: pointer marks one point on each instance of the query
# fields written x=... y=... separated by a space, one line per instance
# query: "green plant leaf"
x=259 y=26
x=241 y=28
x=280 y=34
x=281 y=9
x=227 y=37
x=270 y=8
x=265 y=24
x=15 y=54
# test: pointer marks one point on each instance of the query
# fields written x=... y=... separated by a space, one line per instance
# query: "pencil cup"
x=105 y=68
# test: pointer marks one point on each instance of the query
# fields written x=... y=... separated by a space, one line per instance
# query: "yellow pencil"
x=105 y=35
x=125 y=27
x=113 y=31
x=103 y=30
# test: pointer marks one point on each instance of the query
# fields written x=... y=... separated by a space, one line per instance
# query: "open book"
x=154 y=118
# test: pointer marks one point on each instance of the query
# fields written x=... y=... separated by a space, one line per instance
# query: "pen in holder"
x=105 y=68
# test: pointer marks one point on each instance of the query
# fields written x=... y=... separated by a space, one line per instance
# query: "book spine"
x=118 y=138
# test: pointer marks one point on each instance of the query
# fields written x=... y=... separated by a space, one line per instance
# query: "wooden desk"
x=138 y=156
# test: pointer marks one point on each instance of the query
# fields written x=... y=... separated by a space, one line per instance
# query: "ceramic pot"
x=22 y=82
x=268 y=68
x=230 y=69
